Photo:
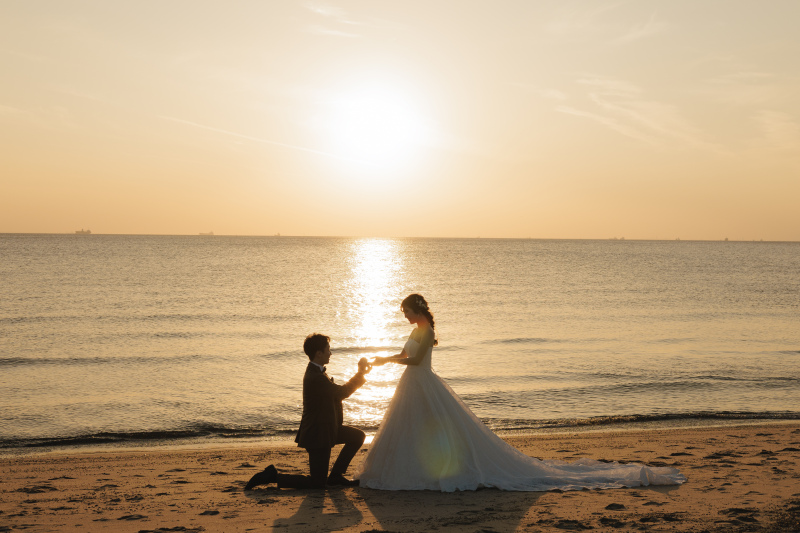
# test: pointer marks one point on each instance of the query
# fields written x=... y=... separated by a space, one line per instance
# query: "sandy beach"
x=740 y=478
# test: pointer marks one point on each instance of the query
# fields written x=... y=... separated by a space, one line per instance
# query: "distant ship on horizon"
x=83 y=232
x=209 y=233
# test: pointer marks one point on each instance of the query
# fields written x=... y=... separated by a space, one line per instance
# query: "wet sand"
x=743 y=478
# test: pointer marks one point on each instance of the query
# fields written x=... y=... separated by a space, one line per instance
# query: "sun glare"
x=376 y=126
x=372 y=298
x=375 y=268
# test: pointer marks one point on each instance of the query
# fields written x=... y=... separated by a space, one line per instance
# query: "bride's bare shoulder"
x=423 y=333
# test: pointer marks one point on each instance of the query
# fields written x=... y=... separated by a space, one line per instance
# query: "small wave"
x=14 y=361
x=688 y=384
x=520 y=340
x=177 y=334
x=195 y=431
x=752 y=379
x=33 y=319
x=522 y=424
x=76 y=361
x=287 y=430
x=686 y=340
x=661 y=417
x=627 y=388
x=365 y=349
x=165 y=317
x=205 y=317
x=394 y=349
x=335 y=350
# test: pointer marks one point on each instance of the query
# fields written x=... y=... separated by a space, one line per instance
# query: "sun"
x=377 y=126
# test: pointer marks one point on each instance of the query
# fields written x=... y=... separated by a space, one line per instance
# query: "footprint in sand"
x=37 y=489
x=611 y=522
x=571 y=525
x=104 y=487
x=132 y=517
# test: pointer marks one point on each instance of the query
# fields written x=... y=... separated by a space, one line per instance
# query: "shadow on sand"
x=486 y=509
x=396 y=511
x=312 y=514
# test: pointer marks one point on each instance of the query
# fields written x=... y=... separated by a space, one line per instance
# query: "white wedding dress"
x=430 y=440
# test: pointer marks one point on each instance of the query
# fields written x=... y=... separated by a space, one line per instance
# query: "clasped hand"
x=364 y=366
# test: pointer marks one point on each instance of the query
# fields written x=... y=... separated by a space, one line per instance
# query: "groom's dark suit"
x=321 y=428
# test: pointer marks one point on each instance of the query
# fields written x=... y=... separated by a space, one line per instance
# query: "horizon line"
x=279 y=235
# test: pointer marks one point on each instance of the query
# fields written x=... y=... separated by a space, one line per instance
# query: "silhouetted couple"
x=429 y=439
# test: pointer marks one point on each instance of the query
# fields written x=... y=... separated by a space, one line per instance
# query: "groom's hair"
x=316 y=342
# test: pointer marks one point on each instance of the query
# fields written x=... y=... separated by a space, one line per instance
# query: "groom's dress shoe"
x=265 y=477
x=339 y=479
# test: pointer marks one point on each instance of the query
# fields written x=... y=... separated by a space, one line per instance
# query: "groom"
x=321 y=426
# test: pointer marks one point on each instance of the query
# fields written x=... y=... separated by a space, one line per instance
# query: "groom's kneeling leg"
x=297 y=481
x=352 y=439
x=318 y=461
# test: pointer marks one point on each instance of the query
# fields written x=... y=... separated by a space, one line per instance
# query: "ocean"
x=129 y=339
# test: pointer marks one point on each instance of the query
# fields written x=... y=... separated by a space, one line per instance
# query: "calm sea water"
x=107 y=337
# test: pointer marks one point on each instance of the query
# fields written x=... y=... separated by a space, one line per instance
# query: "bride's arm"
x=425 y=343
x=383 y=360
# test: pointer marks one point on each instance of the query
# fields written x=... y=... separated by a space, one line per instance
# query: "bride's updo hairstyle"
x=417 y=304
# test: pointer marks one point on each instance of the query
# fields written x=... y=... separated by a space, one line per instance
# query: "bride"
x=429 y=439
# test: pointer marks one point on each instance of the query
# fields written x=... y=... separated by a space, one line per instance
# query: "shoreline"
x=287 y=439
x=740 y=477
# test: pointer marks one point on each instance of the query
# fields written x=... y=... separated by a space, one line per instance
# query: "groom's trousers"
x=320 y=458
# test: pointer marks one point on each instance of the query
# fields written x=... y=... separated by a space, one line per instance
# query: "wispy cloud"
x=747 y=87
x=643 y=30
x=331 y=12
x=24 y=55
x=553 y=94
x=260 y=140
x=46 y=117
x=321 y=30
x=605 y=24
x=9 y=110
x=332 y=15
x=609 y=122
x=544 y=92
x=780 y=131
x=571 y=20
x=623 y=107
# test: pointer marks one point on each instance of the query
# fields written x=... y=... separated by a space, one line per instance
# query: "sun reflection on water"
x=374 y=290
x=373 y=296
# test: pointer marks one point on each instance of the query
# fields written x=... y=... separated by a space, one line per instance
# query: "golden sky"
x=545 y=119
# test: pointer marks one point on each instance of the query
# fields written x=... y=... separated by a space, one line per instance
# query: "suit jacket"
x=322 y=408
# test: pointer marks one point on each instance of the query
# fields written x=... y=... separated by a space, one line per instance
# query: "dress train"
x=430 y=440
